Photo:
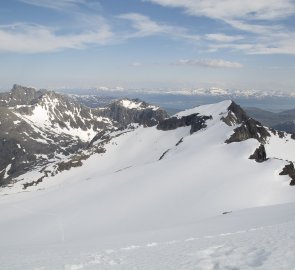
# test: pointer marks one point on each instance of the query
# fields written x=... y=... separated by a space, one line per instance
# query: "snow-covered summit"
x=210 y=109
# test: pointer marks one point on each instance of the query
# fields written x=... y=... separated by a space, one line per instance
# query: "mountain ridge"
x=39 y=126
x=126 y=117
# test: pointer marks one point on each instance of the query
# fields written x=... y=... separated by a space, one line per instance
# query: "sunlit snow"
x=205 y=205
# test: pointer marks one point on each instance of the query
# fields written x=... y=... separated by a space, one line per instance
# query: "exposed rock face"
x=236 y=115
x=249 y=128
x=289 y=170
x=128 y=111
x=259 y=154
x=194 y=120
x=38 y=127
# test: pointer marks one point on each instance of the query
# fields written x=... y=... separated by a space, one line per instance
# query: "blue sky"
x=148 y=43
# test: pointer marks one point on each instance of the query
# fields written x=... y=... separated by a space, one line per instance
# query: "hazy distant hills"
x=284 y=121
x=212 y=91
x=178 y=100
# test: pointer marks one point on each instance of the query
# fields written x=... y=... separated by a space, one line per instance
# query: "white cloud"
x=222 y=37
x=259 y=19
x=60 y=5
x=276 y=43
x=262 y=20
x=234 y=9
x=211 y=63
x=80 y=13
x=255 y=28
x=146 y=27
x=136 y=64
x=25 y=38
x=84 y=28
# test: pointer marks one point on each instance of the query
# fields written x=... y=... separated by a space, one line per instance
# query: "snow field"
x=126 y=209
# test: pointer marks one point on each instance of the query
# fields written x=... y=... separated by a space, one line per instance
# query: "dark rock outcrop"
x=196 y=122
x=290 y=171
x=34 y=183
x=236 y=115
x=179 y=142
x=163 y=155
x=259 y=154
x=250 y=129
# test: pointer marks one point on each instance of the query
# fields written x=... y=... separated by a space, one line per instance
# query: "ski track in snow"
x=256 y=248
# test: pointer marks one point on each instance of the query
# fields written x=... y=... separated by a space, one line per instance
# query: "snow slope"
x=154 y=200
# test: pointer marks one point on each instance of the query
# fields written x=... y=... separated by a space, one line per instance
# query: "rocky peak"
x=259 y=154
x=236 y=115
x=127 y=111
x=290 y=171
x=247 y=127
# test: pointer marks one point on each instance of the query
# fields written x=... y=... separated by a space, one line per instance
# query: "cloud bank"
x=210 y=63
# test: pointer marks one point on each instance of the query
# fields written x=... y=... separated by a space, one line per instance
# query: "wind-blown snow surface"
x=126 y=209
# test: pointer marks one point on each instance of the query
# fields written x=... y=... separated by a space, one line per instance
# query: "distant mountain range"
x=213 y=91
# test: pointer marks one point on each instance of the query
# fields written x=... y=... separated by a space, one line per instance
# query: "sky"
x=150 y=44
